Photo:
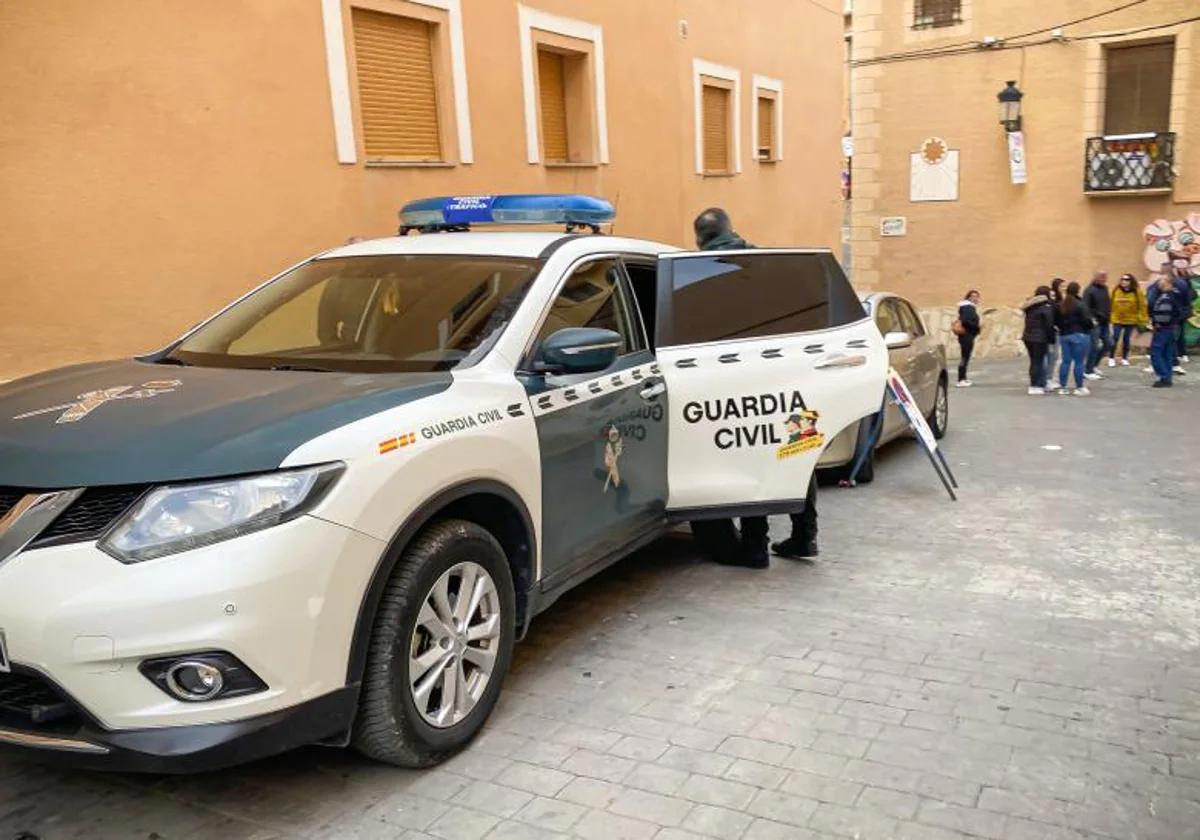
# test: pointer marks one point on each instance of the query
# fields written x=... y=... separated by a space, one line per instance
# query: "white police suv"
x=325 y=514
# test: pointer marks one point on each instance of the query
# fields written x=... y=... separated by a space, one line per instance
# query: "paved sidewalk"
x=1021 y=665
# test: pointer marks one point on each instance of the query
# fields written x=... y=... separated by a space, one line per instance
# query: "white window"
x=562 y=71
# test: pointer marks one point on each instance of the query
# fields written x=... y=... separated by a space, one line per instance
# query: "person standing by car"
x=967 y=330
x=1039 y=331
x=1167 y=312
x=1075 y=335
x=1128 y=313
x=1099 y=307
x=714 y=232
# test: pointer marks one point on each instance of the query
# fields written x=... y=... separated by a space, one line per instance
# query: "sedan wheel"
x=940 y=419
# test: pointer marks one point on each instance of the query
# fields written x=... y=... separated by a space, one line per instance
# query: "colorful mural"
x=1176 y=243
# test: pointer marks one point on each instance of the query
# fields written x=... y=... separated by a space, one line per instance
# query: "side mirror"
x=579 y=350
x=897 y=340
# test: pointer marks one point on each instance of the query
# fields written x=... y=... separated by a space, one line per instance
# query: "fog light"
x=202 y=676
x=195 y=680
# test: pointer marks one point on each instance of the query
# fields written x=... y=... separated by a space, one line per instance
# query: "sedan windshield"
x=387 y=313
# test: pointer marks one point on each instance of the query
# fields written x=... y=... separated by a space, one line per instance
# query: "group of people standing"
x=1076 y=329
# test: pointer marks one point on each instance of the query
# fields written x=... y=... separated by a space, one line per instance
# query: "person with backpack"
x=967 y=329
x=1039 y=331
x=1074 y=324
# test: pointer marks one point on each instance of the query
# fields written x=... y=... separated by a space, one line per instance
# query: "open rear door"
x=767 y=355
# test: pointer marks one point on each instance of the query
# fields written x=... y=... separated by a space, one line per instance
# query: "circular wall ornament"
x=933 y=151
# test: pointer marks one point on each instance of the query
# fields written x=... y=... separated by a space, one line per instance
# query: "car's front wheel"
x=439 y=649
x=939 y=418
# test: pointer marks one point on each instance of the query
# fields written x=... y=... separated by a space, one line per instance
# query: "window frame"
x=931 y=20
x=537 y=28
x=1172 y=43
x=456 y=139
x=774 y=87
x=732 y=77
x=908 y=311
x=624 y=293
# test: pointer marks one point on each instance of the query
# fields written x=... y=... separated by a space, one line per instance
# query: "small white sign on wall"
x=893 y=226
x=934 y=175
x=1016 y=157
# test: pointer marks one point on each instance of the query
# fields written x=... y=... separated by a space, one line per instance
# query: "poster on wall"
x=1016 y=157
x=934 y=172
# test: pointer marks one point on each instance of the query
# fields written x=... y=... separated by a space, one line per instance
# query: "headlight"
x=168 y=520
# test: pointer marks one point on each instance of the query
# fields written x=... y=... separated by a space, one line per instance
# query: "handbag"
x=957 y=327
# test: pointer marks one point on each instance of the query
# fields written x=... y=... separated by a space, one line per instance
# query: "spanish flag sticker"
x=392 y=444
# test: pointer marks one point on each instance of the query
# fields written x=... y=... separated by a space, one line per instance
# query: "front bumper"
x=188 y=749
x=283 y=601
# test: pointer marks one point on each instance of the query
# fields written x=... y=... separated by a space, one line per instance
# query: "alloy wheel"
x=454 y=645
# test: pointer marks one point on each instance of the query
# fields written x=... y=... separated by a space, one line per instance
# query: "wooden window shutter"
x=1138 y=95
x=715 y=108
x=397 y=91
x=553 y=95
x=766 y=128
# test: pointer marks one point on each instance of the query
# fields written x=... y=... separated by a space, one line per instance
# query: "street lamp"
x=1010 y=107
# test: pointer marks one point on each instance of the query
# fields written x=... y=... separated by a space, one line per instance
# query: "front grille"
x=9 y=496
x=27 y=700
x=90 y=515
x=87 y=517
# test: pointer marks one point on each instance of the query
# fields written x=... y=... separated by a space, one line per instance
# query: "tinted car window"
x=718 y=297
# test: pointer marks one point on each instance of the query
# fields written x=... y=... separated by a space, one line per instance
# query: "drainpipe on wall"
x=847 y=202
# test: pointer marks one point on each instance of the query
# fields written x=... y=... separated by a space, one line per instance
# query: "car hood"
x=132 y=422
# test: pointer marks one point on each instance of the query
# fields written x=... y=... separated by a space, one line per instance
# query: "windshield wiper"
x=308 y=368
x=172 y=360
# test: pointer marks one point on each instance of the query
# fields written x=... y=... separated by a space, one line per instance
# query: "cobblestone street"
x=1021 y=665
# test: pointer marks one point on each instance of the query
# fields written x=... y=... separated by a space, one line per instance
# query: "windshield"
x=373 y=314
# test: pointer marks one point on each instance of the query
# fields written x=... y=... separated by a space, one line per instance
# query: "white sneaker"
x=1184 y=359
x=1124 y=363
x=1049 y=389
x=1112 y=362
x=1082 y=392
x=1179 y=371
x=1036 y=391
x=964 y=383
x=1064 y=391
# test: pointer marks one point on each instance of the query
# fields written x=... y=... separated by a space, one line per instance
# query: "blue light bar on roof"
x=466 y=210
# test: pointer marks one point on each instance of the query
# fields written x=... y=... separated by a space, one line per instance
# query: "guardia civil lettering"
x=726 y=410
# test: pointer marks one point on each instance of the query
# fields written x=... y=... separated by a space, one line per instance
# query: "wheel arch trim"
x=416 y=521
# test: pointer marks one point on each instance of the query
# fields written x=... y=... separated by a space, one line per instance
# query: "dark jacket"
x=726 y=242
x=969 y=315
x=1099 y=304
x=1167 y=309
x=1076 y=320
x=1039 y=320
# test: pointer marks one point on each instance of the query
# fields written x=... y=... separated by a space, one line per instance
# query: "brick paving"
x=1021 y=665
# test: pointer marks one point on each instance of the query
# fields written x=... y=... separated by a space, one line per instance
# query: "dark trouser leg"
x=1037 y=363
x=1180 y=344
x=966 y=343
x=1162 y=354
x=1094 y=350
x=804 y=523
x=717 y=537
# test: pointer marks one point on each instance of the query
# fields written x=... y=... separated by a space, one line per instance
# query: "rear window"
x=720 y=296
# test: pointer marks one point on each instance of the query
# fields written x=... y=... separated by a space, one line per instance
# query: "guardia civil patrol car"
x=326 y=514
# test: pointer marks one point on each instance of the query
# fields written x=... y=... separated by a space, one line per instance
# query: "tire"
x=393 y=725
x=866 y=473
x=939 y=418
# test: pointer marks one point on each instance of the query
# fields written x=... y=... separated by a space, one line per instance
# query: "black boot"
x=796 y=549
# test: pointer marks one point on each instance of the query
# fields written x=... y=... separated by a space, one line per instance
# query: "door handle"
x=840 y=361
x=653 y=391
